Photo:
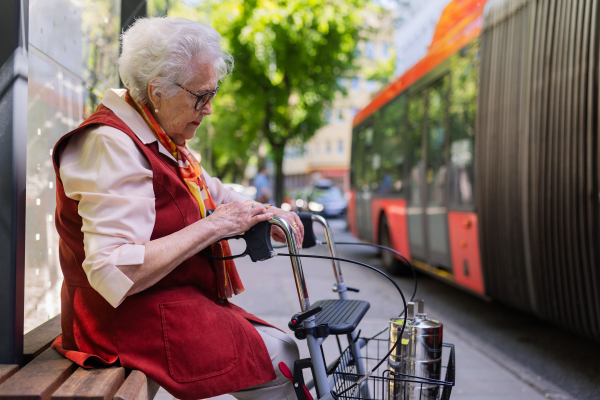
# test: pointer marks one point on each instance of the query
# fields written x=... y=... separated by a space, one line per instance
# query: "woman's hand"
x=235 y=218
x=291 y=217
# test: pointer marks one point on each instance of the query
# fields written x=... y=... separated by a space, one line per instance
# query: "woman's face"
x=177 y=114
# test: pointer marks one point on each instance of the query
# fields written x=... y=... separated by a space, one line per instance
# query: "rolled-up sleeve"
x=111 y=179
x=219 y=193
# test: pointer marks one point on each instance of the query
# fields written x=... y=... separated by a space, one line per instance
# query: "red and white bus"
x=481 y=162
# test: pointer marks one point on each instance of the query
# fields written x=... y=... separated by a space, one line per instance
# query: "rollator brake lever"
x=299 y=318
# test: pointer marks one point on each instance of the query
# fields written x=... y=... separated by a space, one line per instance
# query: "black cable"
x=361 y=380
x=210 y=255
x=414 y=273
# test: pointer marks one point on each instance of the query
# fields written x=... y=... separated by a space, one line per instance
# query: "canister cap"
x=420 y=305
x=410 y=310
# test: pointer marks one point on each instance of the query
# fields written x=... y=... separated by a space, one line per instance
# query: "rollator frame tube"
x=313 y=343
x=343 y=294
x=337 y=269
x=296 y=263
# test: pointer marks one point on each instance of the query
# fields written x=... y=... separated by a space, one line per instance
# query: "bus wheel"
x=389 y=260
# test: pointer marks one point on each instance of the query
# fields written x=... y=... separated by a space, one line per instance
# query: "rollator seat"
x=342 y=316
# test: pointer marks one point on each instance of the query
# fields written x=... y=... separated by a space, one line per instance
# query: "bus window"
x=464 y=75
x=364 y=163
x=367 y=156
x=416 y=175
x=415 y=125
x=361 y=168
x=436 y=145
x=436 y=175
x=390 y=147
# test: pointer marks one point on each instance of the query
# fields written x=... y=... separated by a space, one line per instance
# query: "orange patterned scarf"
x=228 y=280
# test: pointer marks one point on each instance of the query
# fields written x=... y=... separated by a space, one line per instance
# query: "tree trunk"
x=278 y=152
x=238 y=174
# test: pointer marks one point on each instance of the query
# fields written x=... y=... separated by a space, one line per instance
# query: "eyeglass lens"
x=202 y=100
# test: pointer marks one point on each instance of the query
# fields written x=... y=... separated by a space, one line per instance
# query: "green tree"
x=289 y=56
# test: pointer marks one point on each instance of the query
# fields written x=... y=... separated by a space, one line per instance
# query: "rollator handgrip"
x=310 y=240
x=299 y=318
x=258 y=240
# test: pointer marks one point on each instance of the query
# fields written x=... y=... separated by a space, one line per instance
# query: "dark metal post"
x=14 y=24
x=130 y=10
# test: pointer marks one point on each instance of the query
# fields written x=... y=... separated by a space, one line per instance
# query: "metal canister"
x=399 y=356
x=396 y=328
x=424 y=356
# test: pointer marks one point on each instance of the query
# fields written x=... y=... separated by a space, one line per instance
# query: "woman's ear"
x=154 y=95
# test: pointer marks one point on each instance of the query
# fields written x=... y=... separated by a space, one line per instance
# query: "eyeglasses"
x=202 y=98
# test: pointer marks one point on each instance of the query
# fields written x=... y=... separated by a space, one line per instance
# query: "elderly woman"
x=132 y=215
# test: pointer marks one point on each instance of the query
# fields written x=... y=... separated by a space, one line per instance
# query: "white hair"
x=164 y=51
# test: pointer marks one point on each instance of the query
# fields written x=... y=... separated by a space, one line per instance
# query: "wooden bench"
x=48 y=375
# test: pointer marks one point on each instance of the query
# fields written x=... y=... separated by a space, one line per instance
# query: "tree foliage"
x=289 y=56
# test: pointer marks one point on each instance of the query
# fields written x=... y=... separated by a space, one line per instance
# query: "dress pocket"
x=198 y=339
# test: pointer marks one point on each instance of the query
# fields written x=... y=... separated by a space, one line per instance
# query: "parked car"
x=326 y=199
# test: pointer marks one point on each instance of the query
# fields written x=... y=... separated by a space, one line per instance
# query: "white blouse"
x=109 y=176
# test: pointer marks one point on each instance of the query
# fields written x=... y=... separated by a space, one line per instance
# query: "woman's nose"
x=207 y=109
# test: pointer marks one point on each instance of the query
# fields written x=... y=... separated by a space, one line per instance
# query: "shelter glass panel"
x=72 y=52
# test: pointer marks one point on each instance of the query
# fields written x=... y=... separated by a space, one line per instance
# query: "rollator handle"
x=310 y=239
x=299 y=318
x=258 y=240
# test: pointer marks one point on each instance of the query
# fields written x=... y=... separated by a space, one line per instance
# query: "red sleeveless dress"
x=177 y=332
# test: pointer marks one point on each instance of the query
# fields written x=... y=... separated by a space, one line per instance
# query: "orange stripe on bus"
x=460 y=23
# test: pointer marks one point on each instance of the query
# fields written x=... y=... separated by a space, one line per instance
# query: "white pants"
x=281 y=348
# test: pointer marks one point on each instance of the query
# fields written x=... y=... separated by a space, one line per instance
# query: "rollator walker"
x=349 y=376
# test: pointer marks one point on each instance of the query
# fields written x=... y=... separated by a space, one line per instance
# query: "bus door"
x=364 y=155
x=416 y=176
x=436 y=176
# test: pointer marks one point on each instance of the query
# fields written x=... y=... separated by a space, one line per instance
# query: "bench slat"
x=91 y=384
x=137 y=386
x=7 y=370
x=39 y=339
x=38 y=379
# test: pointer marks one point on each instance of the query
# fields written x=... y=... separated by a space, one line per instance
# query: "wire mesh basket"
x=384 y=383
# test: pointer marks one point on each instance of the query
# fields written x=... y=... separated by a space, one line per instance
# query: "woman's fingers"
x=296 y=226
x=294 y=220
x=256 y=209
x=300 y=226
x=277 y=234
x=259 y=218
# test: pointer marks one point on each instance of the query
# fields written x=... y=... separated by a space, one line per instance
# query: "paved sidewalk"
x=481 y=373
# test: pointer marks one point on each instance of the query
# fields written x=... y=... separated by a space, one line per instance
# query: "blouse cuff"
x=111 y=282
x=114 y=286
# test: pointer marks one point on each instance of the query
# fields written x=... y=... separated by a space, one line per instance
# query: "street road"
x=501 y=353
x=569 y=361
